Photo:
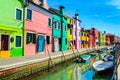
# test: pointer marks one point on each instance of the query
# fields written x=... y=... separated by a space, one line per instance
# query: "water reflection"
x=76 y=71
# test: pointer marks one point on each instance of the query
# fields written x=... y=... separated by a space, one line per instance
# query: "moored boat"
x=106 y=63
x=86 y=57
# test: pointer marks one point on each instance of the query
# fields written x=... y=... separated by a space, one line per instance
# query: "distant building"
x=90 y=37
x=95 y=35
x=110 y=39
x=84 y=38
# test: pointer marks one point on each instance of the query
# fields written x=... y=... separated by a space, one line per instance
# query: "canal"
x=76 y=71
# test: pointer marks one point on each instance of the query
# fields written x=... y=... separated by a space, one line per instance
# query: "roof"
x=40 y=7
x=56 y=11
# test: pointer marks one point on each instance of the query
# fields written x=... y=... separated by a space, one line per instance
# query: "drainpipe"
x=24 y=8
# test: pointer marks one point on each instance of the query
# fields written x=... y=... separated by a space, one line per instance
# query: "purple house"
x=76 y=32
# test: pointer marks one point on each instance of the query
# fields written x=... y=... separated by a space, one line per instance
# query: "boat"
x=94 y=54
x=106 y=63
x=83 y=59
x=80 y=60
x=86 y=58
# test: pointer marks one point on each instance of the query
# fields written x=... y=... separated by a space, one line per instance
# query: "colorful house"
x=77 y=32
x=56 y=30
x=95 y=35
x=70 y=33
x=38 y=29
x=11 y=28
x=60 y=42
x=100 y=41
x=84 y=38
x=90 y=39
x=112 y=38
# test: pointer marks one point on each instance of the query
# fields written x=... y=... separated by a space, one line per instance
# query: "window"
x=79 y=24
x=48 y=39
x=66 y=41
x=29 y=14
x=18 y=14
x=31 y=38
x=70 y=31
x=75 y=33
x=49 y=21
x=79 y=33
x=55 y=24
x=18 y=41
x=65 y=27
x=59 y=26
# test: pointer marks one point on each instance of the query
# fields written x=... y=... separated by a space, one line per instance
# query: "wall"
x=9 y=25
x=39 y=25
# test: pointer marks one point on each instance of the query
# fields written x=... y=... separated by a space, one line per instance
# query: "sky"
x=104 y=15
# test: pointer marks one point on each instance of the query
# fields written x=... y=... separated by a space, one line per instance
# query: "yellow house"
x=70 y=22
x=84 y=39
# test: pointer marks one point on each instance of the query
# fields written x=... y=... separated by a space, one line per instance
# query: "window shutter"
x=48 y=39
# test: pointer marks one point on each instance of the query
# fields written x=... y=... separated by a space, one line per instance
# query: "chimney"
x=61 y=9
x=76 y=16
x=42 y=3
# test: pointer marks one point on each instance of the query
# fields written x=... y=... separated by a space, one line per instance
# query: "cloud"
x=115 y=3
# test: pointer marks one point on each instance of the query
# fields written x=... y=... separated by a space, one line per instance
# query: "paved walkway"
x=8 y=63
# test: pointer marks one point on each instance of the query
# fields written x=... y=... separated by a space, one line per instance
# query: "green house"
x=59 y=31
x=11 y=28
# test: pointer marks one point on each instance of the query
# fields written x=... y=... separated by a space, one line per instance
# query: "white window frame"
x=50 y=22
x=65 y=28
x=58 y=25
x=31 y=15
x=21 y=15
x=15 y=41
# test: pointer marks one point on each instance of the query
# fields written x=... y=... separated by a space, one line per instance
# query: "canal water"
x=76 y=71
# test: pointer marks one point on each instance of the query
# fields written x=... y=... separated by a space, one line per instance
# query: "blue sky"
x=101 y=14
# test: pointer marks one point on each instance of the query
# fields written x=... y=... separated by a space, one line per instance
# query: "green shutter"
x=18 y=41
x=18 y=14
x=29 y=38
x=34 y=38
x=29 y=14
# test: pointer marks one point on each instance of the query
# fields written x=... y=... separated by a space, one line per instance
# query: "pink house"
x=38 y=30
x=76 y=32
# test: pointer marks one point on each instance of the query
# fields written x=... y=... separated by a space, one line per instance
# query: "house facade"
x=11 y=28
x=70 y=33
x=95 y=36
x=84 y=38
x=76 y=32
x=60 y=41
x=90 y=39
x=38 y=30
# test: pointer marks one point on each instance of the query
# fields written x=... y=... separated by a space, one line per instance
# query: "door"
x=56 y=46
x=41 y=43
x=4 y=42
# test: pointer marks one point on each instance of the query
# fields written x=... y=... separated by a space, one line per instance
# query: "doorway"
x=5 y=43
